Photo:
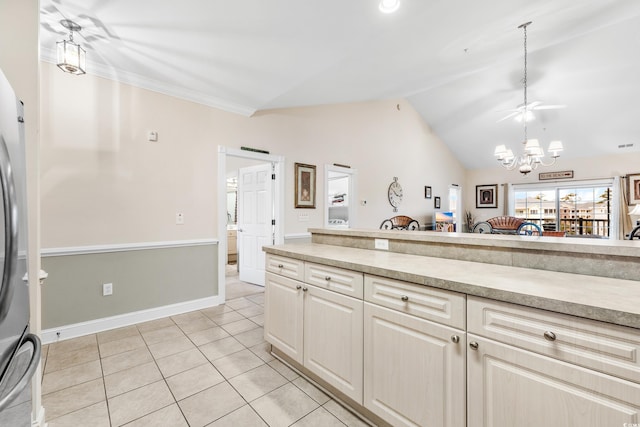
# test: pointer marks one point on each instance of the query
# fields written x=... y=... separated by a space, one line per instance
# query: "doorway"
x=340 y=192
x=229 y=160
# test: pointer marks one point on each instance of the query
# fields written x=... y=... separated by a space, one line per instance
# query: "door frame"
x=459 y=214
x=277 y=200
x=353 y=196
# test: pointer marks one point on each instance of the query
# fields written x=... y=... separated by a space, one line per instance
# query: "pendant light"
x=533 y=153
x=71 y=56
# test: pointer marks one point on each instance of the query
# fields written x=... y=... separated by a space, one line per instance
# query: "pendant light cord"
x=524 y=81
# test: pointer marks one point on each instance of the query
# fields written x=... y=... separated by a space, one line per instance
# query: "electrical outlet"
x=179 y=218
x=107 y=289
x=382 y=244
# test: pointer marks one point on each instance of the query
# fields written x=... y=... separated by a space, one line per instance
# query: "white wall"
x=103 y=182
x=584 y=168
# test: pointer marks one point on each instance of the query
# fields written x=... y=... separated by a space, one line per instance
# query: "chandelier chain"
x=524 y=81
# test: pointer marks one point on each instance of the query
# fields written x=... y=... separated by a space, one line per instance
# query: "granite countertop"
x=610 y=300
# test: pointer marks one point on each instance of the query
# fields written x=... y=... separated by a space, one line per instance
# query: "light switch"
x=153 y=136
x=179 y=218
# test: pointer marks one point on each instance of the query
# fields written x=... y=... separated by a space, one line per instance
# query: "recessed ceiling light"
x=389 y=6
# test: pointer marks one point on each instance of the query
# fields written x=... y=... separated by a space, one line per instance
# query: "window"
x=583 y=209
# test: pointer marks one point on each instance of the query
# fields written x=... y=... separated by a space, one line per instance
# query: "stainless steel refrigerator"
x=19 y=349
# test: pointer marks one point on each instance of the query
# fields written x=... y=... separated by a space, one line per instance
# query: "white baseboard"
x=98 y=325
x=39 y=421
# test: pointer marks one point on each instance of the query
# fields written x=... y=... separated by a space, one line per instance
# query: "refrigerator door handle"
x=10 y=230
x=28 y=373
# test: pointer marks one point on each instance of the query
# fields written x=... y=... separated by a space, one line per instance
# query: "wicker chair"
x=507 y=225
x=400 y=222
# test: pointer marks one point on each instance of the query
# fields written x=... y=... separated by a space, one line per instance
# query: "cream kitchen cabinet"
x=317 y=328
x=333 y=339
x=414 y=367
x=283 y=315
x=530 y=367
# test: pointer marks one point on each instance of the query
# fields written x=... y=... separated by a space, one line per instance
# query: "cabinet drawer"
x=438 y=305
x=284 y=266
x=346 y=282
x=604 y=347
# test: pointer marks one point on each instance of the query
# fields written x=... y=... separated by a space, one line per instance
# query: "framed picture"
x=427 y=192
x=436 y=203
x=633 y=187
x=305 y=196
x=487 y=196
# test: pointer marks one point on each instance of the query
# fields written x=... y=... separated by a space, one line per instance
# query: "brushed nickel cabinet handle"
x=474 y=345
x=404 y=298
x=327 y=278
x=549 y=336
x=280 y=266
x=305 y=289
x=298 y=286
x=455 y=339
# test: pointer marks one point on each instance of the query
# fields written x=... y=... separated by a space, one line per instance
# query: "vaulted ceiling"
x=459 y=63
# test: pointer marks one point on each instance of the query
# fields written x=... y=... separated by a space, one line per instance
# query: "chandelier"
x=533 y=153
x=71 y=57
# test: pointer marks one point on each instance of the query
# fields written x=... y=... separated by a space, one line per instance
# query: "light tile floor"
x=204 y=368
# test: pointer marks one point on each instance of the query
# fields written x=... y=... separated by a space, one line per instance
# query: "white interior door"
x=255 y=215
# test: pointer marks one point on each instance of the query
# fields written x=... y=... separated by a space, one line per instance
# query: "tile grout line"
x=155 y=360
x=104 y=383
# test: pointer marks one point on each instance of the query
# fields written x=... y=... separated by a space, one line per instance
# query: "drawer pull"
x=404 y=298
x=298 y=287
x=455 y=339
x=305 y=289
x=549 y=336
x=327 y=278
x=474 y=345
x=280 y=266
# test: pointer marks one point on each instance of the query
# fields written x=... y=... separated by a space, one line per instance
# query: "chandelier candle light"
x=533 y=152
x=71 y=57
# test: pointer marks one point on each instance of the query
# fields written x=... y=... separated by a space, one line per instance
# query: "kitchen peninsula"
x=445 y=329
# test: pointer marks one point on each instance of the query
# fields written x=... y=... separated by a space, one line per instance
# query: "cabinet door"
x=512 y=387
x=414 y=369
x=333 y=339
x=283 y=315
